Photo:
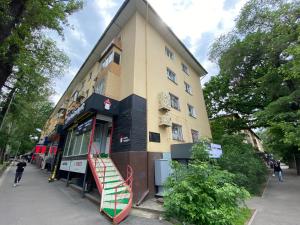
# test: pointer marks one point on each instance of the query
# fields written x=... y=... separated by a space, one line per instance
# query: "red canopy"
x=38 y=148
x=44 y=148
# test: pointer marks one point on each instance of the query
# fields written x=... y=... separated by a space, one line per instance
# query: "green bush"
x=239 y=158
x=201 y=193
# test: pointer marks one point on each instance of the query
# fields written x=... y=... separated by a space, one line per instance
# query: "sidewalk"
x=36 y=202
x=280 y=203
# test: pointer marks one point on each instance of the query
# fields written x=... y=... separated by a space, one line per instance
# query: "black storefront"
x=120 y=131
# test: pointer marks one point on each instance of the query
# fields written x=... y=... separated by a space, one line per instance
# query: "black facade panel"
x=130 y=126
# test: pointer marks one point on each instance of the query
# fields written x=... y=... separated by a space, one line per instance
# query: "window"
x=174 y=102
x=90 y=76
x=177 y=132
x=107 y=60
x=99 y=89
x=169 y=53
x=82 y=84
x=67 y=144
x=77 y=144
x=72 y=142
x=188 y=88
x=87 y=93
x=195 y=136
x=85 y=142
x=185 y=68
x=192 y=111
x=111 y=57
x=117 y=58
x=171 y=75
x=75 y=96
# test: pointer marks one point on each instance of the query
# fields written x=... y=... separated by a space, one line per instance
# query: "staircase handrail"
x=128 y=185
x=102 y=162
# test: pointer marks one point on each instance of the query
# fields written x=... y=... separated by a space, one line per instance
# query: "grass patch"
x=244 y=217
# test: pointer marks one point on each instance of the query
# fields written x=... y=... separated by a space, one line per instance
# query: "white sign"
x=124 y=139
x=78 y=166
x=215 y=151
x=65 y=165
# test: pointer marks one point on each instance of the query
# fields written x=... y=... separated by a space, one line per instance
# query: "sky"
x=196 y=22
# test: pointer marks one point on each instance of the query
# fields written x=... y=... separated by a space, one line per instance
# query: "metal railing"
x=101 y=162
x=128 y=184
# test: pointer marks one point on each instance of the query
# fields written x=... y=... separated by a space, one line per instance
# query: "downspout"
x=145 y=194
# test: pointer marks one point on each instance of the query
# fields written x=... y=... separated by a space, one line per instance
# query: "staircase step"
x=123 y=200
x=112 y=185
x=112 y=181
x=111 y=212
x=116 y=175
x=111 y=178
x=111 y=205
x=108 y=198
x=112 y=191
x=124 y=191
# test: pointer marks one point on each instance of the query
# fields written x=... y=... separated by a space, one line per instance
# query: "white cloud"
x=105 y=8
x=196 y=17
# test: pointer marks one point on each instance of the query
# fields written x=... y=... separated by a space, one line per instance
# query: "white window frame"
x=188 y=88
x=171 y=75
x=169 y=53
x=178 y=136
x=176 y=105
x=192 y=112
x=100 y=87
x=75 y=95
x=107 y=60
x=185 y=68
x=198 y=137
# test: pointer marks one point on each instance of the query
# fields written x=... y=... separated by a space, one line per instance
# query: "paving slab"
x=36 y=202
x=280 y=202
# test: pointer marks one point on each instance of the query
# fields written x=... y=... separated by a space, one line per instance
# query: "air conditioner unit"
x=164 y=101
x=165 y=120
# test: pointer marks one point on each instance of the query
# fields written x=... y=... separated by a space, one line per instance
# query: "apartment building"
x=137 y=94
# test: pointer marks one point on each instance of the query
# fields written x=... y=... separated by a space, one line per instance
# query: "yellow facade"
x=142 y=71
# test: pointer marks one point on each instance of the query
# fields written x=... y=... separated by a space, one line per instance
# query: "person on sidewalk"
x=278 y=170
x=19 y=172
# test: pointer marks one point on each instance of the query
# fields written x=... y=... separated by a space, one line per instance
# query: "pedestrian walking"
x=278 y=170
x=19 y=172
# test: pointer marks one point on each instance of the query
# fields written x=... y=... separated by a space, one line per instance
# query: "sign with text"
x=78 y=166
x=71 y=115
x=65 y=165
x=215 y=151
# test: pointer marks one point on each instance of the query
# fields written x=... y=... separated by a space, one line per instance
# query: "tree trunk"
x=6 y=104
x=2 y=153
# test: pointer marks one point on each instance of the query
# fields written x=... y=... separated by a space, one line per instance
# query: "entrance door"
x=102 y=136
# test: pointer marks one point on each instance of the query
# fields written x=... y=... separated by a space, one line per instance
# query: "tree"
x=201 y=193
x=22 y=23
x=259 y=70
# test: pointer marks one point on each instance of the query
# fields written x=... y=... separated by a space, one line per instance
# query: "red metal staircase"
x=116 y=192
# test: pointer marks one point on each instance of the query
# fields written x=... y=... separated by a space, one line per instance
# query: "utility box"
x=162 y=172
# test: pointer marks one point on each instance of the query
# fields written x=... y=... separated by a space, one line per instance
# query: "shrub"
x=201 y=193
x=240 y=158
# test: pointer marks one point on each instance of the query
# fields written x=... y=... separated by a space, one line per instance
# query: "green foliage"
x=201 y=193
x=240 y=159
x=259 y=71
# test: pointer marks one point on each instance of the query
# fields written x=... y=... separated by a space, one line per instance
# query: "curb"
x=252 y=217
